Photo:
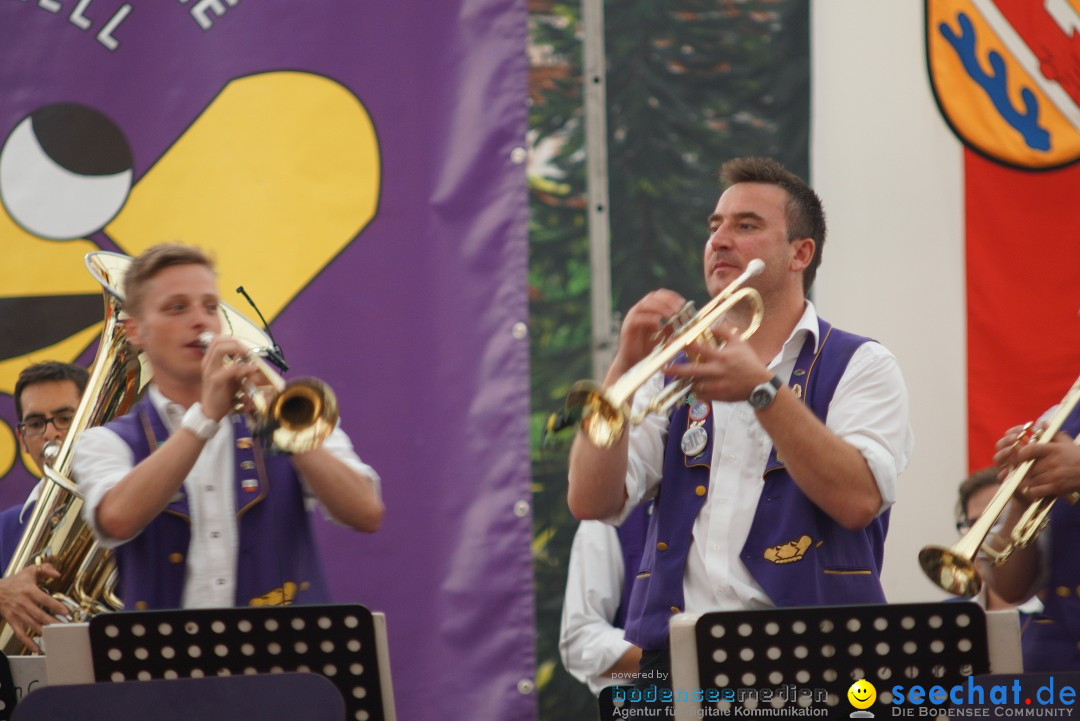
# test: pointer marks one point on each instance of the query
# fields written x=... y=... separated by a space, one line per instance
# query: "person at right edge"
x=1048 y=567
x=772 y=482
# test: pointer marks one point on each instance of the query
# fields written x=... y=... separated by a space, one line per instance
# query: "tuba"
x=953 y=568
x=55 y=531
x=605 y=413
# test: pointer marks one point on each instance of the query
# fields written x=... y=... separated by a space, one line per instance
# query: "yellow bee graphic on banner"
x=274 y=178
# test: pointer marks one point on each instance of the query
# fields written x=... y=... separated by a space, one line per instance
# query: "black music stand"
x=7 y=689
x=809 y=657
x=334 y=641
x=286 y=697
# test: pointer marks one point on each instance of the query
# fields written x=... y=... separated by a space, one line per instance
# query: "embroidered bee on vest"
x=789 y=552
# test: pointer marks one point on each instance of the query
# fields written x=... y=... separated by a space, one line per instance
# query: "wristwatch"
x=763 y=395
x=196 y=421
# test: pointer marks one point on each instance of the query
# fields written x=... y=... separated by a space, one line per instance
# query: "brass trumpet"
x=297 y=416
x=953 y=568
x=605 y=413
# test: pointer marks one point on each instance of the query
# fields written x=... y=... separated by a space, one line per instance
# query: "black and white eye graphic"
x=65 y=171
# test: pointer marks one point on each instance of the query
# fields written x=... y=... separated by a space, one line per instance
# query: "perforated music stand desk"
x=810 y=656
x=344 y=643
x=284 y=697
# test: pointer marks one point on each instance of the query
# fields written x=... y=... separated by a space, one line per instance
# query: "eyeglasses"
x=964 y=525
x=36 y=426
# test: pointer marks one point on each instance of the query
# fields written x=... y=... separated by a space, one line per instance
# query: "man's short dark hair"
x=152 y=261
x=971 y=485
x=48 y=372
x=804 y=212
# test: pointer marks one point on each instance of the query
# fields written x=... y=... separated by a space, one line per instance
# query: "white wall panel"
x=890 y=174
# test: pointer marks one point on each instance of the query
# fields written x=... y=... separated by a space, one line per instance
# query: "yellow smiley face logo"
x=862 y=694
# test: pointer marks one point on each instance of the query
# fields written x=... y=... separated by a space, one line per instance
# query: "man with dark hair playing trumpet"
x=1047 y=567
x=773 y=479
x=198 y=512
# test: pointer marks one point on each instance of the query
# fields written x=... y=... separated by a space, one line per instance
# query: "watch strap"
x=763 y=395
x=198 y=423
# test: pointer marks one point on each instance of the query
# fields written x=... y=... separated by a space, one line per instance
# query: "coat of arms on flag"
x=1006 y=74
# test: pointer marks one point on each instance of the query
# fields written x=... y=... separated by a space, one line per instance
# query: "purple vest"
x=794 y=551
x=1052 y=641
x=631 y=535
x=277 y=555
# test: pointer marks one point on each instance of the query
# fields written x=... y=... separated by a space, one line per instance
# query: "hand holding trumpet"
x=296 y=416
x=223 y=377
x=646 y=324
x=1056 y=468
x=728 y=372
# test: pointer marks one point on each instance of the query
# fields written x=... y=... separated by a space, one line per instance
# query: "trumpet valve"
x=671 y=326
x=1024 y=436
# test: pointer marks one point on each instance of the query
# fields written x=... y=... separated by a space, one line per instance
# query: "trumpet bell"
x=304 y=414
x=602 y=422
x=950 y=570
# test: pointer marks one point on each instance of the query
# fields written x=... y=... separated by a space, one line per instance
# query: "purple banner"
x=359 y=168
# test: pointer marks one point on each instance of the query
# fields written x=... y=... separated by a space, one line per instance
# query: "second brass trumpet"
x=605 y=413
x=953 y=568
x=297 y=416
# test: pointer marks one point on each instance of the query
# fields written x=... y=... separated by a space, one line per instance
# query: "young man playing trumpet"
x=200 y=514
x=773 y=479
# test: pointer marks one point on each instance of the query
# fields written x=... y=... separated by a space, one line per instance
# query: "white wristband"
x=196 y=421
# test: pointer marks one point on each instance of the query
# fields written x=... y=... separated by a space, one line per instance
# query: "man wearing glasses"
x=46 y=396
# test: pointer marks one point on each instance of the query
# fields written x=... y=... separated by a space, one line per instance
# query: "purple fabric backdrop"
x=411 y=319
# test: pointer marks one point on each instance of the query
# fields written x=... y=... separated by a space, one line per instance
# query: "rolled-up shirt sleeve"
x=870 y=411
x=339 y=445
x=101 y=461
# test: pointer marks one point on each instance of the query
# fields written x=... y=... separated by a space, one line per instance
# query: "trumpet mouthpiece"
x=205 y=339
x=754 y=267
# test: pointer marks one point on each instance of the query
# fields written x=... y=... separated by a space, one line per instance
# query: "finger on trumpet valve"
x=1023 y=435
x=670 y=326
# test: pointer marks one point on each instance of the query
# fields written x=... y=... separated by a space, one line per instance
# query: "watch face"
x=760 y=398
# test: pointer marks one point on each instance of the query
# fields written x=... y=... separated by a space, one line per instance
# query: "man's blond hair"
x=152 y=261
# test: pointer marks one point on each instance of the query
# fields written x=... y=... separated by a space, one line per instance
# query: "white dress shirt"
x=102 y=459
x=869 y=411
x=588 y=642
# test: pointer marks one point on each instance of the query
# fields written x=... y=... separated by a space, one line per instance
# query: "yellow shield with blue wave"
x=1006 y=75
